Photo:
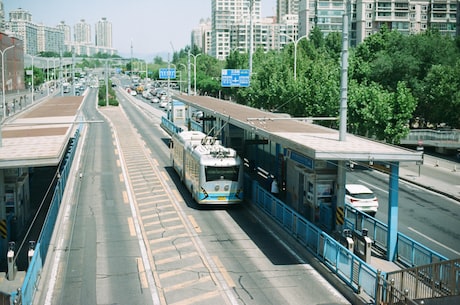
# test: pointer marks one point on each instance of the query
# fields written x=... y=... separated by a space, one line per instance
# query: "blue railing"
x=169 y=126
x=409 y=252
x=38 y=260
x=353 y=271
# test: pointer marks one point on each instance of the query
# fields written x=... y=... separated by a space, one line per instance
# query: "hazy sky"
x=151 y=25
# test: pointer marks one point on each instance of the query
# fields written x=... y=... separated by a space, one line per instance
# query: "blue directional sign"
x=235 y=78
x=164 y=73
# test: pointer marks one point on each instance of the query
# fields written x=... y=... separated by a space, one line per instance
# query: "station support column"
x=392 y=234
x=338 y=216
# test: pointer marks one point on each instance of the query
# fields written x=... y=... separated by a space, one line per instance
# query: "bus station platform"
x=35 y=136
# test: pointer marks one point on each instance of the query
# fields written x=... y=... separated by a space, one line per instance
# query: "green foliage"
x=102 y=101
x=439 y=95
x=39 y=76
x=393 y=78
x=423 y=62
x=376 y=112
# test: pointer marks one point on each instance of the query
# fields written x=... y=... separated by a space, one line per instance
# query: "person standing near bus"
x=274 y=189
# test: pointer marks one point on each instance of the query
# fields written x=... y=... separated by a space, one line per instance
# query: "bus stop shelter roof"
x=314 y=141
x=39 y=135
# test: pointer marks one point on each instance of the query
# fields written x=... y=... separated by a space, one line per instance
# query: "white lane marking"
x=373 y=186
x=433 y=241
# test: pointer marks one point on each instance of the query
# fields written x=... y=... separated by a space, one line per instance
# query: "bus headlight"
x=226 y=188
x=216 y=188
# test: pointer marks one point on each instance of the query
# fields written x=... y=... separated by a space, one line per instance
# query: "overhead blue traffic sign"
x=235 y=78
x=166 y=73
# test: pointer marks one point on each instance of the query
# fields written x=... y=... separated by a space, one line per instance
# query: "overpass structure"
x=444 y=141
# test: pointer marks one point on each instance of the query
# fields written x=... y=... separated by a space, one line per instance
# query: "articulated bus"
x=212 y=173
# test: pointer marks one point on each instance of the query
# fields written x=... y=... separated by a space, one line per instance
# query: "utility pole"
x=188 y=75
x=251 y=35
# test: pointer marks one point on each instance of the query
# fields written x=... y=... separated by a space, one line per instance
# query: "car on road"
x=197 y=115
x=362 y=198
x=163 y=104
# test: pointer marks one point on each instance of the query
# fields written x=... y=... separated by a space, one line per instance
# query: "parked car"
x=362 y=198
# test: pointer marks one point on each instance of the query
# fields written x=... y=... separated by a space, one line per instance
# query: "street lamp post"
x=48 y=76
x=194 y=68
x=32 y=83
x=180 y=77
x=251 y=35
x=3 y=79
x=295 y=51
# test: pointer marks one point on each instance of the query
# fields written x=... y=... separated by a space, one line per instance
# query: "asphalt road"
x=98 y=260
x=424 y=215
x=156 y=246
x=256 y=264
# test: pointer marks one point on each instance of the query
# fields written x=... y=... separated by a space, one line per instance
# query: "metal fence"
x=434 y=135
x=353 y=271
x=409 y=252
x=429 y=281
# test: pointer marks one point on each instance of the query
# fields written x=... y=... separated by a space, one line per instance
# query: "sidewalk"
x=16 y=102
x=438 y=175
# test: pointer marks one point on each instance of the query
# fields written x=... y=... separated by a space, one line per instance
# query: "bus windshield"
x=221 y=173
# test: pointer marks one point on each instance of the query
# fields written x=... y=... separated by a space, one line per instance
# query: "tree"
x=380 y=114
x=439 y=98
x=111 y=93
x=158 y=60
x=39 y=76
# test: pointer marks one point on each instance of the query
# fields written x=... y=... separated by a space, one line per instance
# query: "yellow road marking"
x=197 y=299
x=125 y=197
x=194 y=224
x=142 y=275
x=132 y=230
x=165 y=176
x=223 y=271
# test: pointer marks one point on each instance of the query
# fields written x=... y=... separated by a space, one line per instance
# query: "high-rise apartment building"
x=21 y=26
x=104 y=33
x=367 y=17
x=50 y=39
x=230 y=22
x=201 y=36
x=287 y=9
x=2 y=17
x=82 y=32
x=67 y=33
x=227 y=14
